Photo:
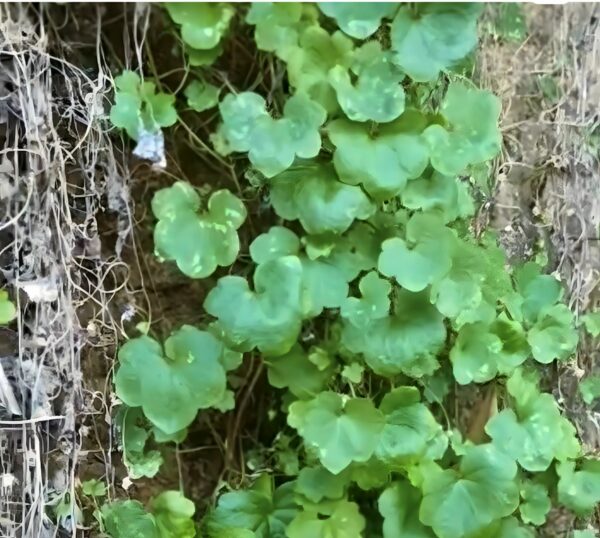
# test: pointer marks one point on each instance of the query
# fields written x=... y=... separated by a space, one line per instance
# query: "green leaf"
x=422 y=257
x=470 y=134
x=201 y=58
x=377 y=94
x=341 y=430
x=510 y=23
x=372 y=474
x=406 y=342
x=323 y=283
x=172 y=385
x=272 y=144
x=128 y=519
x=274 y=244
x=465 y=500
x=309 y=63
x=448 y=195
x=482 y=351
x=8 y=312
x=374 y=304
x=262 y=509
x=399 y=506
x=508 y=527
x=134 y=431
x=429 y=38
x=589 y=388
x=353 y=372
x=311 y=193
x=536 y=503
x=352 y=253
x=297 y=373
x=278 y=25
x=382 y=162
x=535 y=292
x=409 y=427
x=269 y=317
x=317 y=483
x=173 y=515
x=585 y=534
x=197 y=241
x=139 y=107
x=358 y=20
x=534 y=433
x=553 y=336
x=201 y=95
x=343 y=520
x=579 y=490
x=460 y=291
x=93 y=488
x=202 y=24
x=591 y=322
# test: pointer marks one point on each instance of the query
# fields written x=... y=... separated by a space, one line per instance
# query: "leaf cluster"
x=374 y=154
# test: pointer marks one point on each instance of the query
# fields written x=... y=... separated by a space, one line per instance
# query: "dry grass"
x=57 y=163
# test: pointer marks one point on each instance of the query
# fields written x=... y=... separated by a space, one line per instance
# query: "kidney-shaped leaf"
x=404 y=342
x=377 y=95
x=269 y=317
x=430 y=37
x=534 y=433
x=358 y=19
x=381 y=162
x=171 y=385
x=312 y=193
x=459 y=502
x=341 y=430
x=197 y=241
x=471 y=135
x=202 y=24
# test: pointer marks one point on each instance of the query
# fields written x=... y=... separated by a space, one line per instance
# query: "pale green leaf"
x=399 y=506
x=8 y=311
x=383 y=161
x=534 y=433
x=172 y=385
x=198 y=241
x=536 y=503
x=459 y=502
x=341 y=430
x=470 y=135
x=374 y=303
x=343 y=520
x=589 y=388
x=406 y=341
x=430 y=37
x=262 y=509
x=309 y=63
x=579 y=490
x=201 y=96
x=591 y=322
x=311 y=193
x=409 y=427
x=358 y=19
x=423 y=257
x=297 y=373
x=202 y=24
x=377 y=95
x=269 y=317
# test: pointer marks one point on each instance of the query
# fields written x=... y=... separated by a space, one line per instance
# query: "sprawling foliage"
x=366 y=301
